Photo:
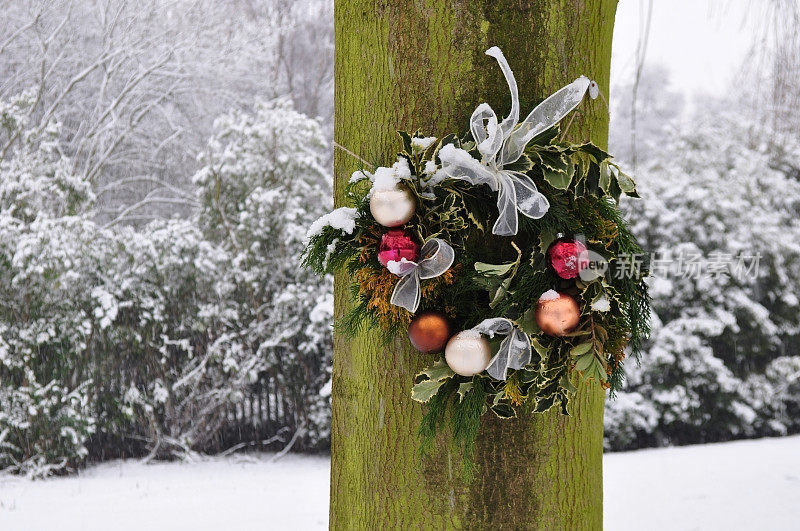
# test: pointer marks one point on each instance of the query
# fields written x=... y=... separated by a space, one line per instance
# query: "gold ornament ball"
x=558 y=314
x=393 y=207
x=468 y=353
x=429 y=331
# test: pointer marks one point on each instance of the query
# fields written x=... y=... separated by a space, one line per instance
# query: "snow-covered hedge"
x=117 y=335
x=724 y=358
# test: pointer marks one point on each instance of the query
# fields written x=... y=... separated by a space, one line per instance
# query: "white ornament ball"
x=393 y=207
x=468 y=353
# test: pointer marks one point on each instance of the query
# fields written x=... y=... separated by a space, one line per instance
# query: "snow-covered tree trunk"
x=409 y=65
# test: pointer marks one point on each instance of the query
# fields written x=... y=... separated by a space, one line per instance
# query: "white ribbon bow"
x=502 y=143
x=515 y=349
x=437 y=257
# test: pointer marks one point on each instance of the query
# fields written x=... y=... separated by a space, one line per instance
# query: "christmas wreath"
x=502 y=253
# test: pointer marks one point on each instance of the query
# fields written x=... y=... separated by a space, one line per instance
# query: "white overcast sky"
x=703 y=43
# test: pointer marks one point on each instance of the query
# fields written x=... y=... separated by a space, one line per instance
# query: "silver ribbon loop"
x=437 y=257
x=515 y=350
x=503 y=143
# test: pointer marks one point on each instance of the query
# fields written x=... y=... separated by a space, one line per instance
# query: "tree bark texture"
x=409 y=64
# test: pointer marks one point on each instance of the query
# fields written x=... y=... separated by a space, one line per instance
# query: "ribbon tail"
x=513 y=116
x=519 y=350
x=543 y=117
x=406 y=292
x=498 y=366
x=506 y=224
x=530 y=200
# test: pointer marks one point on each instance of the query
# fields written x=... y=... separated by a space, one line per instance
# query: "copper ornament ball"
x=430 y=331
x=557 y=314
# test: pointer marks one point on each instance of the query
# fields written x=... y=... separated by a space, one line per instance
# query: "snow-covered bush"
x=261 y=185
x=723 y=359
x=120 y=341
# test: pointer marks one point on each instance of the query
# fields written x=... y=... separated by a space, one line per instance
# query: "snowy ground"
x=741 y=485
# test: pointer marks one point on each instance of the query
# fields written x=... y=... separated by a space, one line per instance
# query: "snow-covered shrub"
x=722 y=356
x=261 y=185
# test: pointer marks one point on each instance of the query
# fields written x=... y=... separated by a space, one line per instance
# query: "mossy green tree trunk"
x=408 y=64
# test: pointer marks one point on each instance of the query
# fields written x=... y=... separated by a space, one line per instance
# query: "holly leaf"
x=494 y=269
x=504 y=411
x=565 y=382
x=557 y=169
x=605 y=176
x=626 y=184
x=406 y=140
x=527 y=323
x=545 y=137
x=438 y=371
x=546 y=238
x=544 y=404
x=425 y=390
x=463 y=389
x=522 y=165
x=598 y=154
x=539 y=348
x=430 y=380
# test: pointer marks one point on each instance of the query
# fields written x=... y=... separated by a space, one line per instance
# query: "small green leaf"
x=556 y=179
x=580 y=350
x=545 y=240
x=545 y=137
x=406 y=140
x=598 y=154
x=494 y=269
x=585 y=361
x=522 y=165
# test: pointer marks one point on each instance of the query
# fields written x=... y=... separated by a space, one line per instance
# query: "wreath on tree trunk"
x=502 y=253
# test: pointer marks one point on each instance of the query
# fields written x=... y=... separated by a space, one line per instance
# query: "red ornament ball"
x=430 y=331
x=567 y=258
x=396 y=245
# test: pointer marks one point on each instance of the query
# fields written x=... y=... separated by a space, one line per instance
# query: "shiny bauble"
x=429 y=331
x=468 y=353
x=557 y=314
x=392 y=207
x=396 y=245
